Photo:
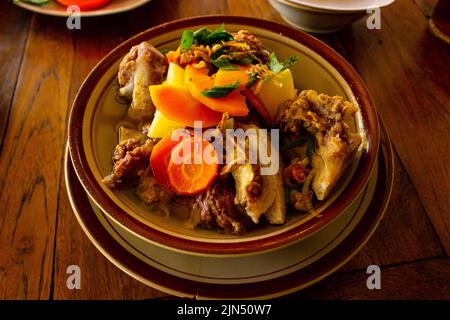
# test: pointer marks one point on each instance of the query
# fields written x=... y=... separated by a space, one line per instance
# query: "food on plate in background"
x=84 y=5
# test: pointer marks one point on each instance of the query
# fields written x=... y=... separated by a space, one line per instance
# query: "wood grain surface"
x=43 y=64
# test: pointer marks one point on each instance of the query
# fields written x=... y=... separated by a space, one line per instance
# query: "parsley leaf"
x=201 y=35
x=219 y=36
x=206 y=37
x=218 y=53
x=275 y=66
x=252 y=77
x=246 y=60
x=224 y=64
x=220 y=92
x=187 y=39
x=220 y=28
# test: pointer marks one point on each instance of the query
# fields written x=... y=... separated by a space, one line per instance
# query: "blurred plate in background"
x=55 y=9
x=344 y=5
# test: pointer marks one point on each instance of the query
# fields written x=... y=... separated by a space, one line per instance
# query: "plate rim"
x=90 y=184
x=270 y=288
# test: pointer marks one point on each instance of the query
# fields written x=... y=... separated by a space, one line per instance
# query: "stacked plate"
x=324 y=16
x=267 y=262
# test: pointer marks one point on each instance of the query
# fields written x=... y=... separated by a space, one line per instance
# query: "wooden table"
x=42 y=65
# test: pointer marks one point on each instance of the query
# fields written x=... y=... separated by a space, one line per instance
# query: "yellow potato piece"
x=175 y=74
x=162 y=126
x=276 y=90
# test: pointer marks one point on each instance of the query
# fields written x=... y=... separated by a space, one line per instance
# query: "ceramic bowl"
x=323 y=16
x=96 y=113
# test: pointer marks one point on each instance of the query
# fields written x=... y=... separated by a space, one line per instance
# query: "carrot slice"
x=173 y=56
x=160 y=158
x=224 y=77
x=193 y=166
x=177 y=104
x=197 y=81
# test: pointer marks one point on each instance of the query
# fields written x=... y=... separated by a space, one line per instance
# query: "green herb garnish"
x=206 y=36
x=218 y=53
x=187 y=39
x=244 y=60
x=201 y=35
x=219 y=36
x=224 y=64
x=275 y=66
x=220 y=92
x=252 y=78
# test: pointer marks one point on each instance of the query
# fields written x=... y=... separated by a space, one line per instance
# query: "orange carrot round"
x=160 y=158
x=193 y=166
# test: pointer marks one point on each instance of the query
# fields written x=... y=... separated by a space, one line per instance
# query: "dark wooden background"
x=42 y=64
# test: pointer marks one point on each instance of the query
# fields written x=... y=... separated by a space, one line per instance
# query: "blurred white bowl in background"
x=324 y=16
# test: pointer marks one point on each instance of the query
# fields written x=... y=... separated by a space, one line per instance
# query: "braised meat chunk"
x=217 y=209
x=130 y=161
x=150 y=191
x=142 y=66
x=326 y=119
x=295 y=173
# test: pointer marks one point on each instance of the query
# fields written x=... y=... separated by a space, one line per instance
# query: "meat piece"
x=300 y=201
x=255 y=187
x=277 y=211
x=326 y=118
x=257 y=192
x=150 y=191
x=332 y=156
x=216 y=208
x=142 y=66
x=130 y=163
x=295 y=173
x=262 y=190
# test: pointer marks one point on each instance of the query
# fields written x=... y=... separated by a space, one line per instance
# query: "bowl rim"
x=98 y=195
